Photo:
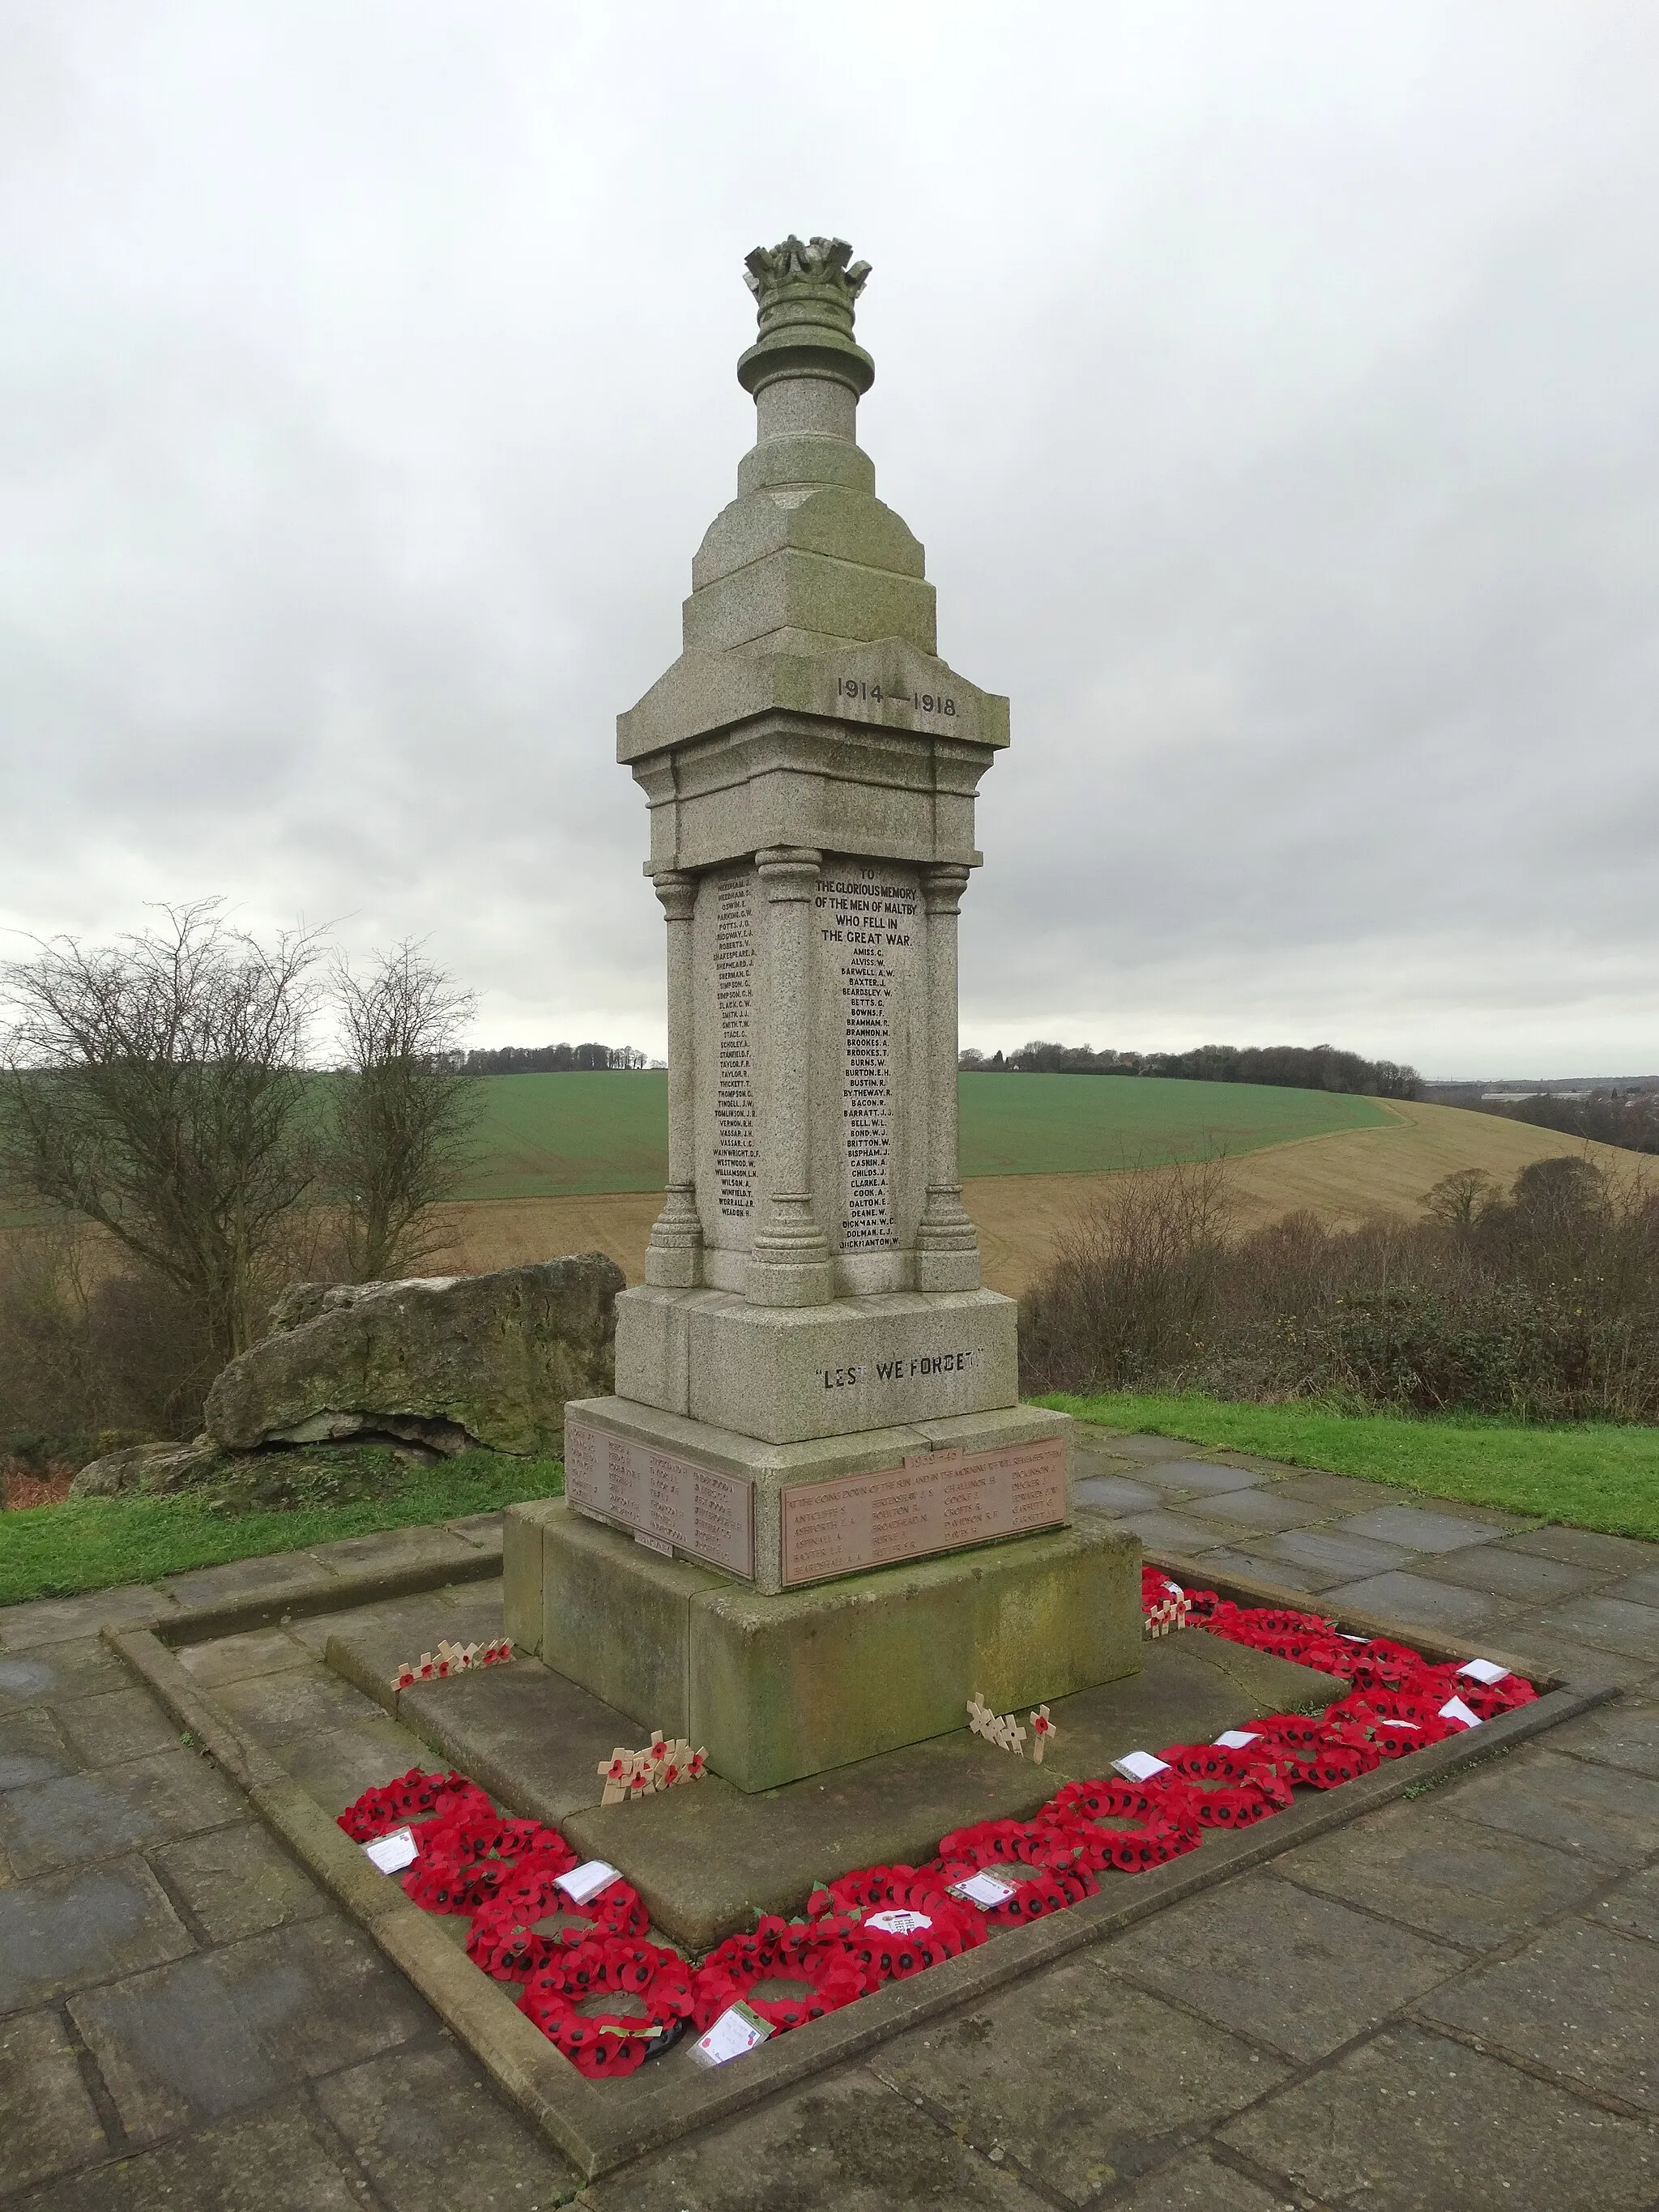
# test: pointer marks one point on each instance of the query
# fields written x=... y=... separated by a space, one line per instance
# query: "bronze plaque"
x=671 y=1502
x=936 y=1501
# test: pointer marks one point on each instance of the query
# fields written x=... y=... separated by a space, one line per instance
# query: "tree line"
x=1288 y=1066
x=548 y=1058
x=1630 y=1118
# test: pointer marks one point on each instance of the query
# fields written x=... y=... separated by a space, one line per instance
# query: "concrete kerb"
x=594 y=2128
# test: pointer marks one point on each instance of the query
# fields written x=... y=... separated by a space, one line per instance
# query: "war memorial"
x=812 y=1547
x=815 y=1519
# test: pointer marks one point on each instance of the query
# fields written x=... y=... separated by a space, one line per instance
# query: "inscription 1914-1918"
x=867 y=926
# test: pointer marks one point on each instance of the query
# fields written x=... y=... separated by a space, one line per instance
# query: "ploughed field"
x=576 y=1163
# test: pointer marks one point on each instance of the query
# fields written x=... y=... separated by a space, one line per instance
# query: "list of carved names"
x=692 y=1509
x=735 y=1160
x=936 y=1501
x=867 y=927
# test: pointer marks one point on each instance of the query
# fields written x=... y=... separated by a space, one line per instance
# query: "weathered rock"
x=152 y=1470
x=450 y=1361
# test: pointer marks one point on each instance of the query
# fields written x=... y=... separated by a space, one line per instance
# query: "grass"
x=1605 y=1478
x=93 y=1543
x=576 y=1135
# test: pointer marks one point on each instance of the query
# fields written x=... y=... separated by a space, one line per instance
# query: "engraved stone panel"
x=936 y=1501
x=727 y=956
x=671 y=1502
x=870 y=970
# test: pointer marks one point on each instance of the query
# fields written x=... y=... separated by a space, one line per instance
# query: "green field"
x=1594 y=1476
x=550 y=1136
x=94 y=1543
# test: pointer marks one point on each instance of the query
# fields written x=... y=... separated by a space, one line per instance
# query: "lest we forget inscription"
x=671 y=1502
x=938 y=1501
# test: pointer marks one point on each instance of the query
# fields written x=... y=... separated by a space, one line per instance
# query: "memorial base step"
x=778 y=1687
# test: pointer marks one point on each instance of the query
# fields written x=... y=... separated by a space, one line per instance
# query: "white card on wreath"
x=1455 y=1710
x=1139 y=1767
x=392 y=1853
x=737 y=2030
x=583 y=1883
x=985 y=1890
x=1485 y=1670
x=1236 y=1739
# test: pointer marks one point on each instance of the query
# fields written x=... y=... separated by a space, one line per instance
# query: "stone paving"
x=1450 y=2003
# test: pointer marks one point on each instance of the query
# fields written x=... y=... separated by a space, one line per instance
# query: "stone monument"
x=815 y=1519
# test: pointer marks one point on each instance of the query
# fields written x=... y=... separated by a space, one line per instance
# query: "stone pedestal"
x=777 y=1686
x=817 y=1401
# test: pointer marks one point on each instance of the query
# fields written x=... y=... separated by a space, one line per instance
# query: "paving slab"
x=96 y=1816
x=1303 y=1581
x=1600 y=1811
x=1202 y=2183
x=234 y=1658
x=67 y=1932
x=1078 y=2076
x=48 y=2123
x=848 y=2143
x=337 y=1766
x=481 y=1528
x=431 y=2136
x=1633 y=1907
x=1256 y=1509
x=1282 y=1968
x=1160 y=1531
x=1507 y=1572
x=1115 y=1493
x=217 y=2033
x=64 y=1620
x=238 y=1882
x=238 y=1578
x=1418 y=1602
x=1334 y=1493
x=1610 y=1623
x=1418 y=1528
x=1623 y=1734
x=1410 y=2121
x=272 y=2161
x=1201 y=1478
x=1583 y=2001
x=1345 y=1558
x=1585 y=1547
x=31 y=1749
x=1558 y=1656
x=296 y=1701
x=395 y=1551
x=1148 y=1450
x=419 y=1619
x=57 y=1675
x=1417 y=1864
x=120 y=1725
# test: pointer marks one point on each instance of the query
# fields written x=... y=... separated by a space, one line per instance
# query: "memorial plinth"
x=816 y=1397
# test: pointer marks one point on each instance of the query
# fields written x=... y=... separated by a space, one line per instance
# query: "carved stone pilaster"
x=947 y=1244
x=673 y=1258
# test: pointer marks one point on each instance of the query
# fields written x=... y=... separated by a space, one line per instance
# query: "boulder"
x=447 y=1361
x=149 y=1470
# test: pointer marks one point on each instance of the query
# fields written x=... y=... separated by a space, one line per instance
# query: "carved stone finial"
x=804 y=294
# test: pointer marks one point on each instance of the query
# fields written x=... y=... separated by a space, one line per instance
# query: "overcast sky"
x=1275 y=389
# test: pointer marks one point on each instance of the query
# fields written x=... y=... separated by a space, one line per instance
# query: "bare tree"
x=404 y=1110
x=158 y=1087
x=1463 y=1199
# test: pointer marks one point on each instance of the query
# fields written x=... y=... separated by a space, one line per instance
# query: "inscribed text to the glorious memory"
x=734 y=1091
x=936 y=1501
x=673 y=1501
x=867 y=930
